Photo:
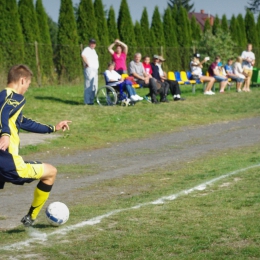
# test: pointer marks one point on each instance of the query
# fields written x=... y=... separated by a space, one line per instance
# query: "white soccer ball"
x=57 y=213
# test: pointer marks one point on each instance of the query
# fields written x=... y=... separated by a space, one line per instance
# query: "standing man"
x=248 y=62
x=13 y=168
x=91 y=65
x=136 y=70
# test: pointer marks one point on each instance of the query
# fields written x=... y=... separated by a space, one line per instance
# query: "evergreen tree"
x=224 y=24
x=216 y=25
x=68 y=52
x=250 y=28
x=184 y=38
x=86 y=22
x=157 y=28
x=30 y=32
x=45 y=41
x=254 y=6
x=258 y=28
x=181 y=3
x=102 y=32
x=111 y=25
x=12 y=47
x=139 y=38
x=207 y=26
x=173 y=61
x=233 y=29
x=126 y=28
x=53 y=30
x=195 y=29
x=145 y=27
x=241 y=31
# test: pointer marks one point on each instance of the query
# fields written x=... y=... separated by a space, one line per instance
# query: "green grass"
x=220 y=222
x=95 y=126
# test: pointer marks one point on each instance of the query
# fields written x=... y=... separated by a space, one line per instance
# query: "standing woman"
x=91 y=64
x=119 y=56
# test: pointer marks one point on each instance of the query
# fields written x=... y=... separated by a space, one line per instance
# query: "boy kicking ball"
x=13 y=168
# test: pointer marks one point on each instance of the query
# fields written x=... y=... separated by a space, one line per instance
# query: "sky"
x=219 y=7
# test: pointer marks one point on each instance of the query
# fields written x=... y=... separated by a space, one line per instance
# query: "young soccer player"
x=13 y=168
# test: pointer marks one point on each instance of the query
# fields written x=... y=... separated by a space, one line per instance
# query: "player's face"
x=25 y=83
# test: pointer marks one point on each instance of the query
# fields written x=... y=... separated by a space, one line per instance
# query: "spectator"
x=215 y=71
x=91 y=64
x=156 y=75
x=119 y=56
x=147 y=65
x=136 y=70
x=230 y=74
x=196 y=71
x=238 y=70
x=248 y=58
x=173 y=84
x=114 y=79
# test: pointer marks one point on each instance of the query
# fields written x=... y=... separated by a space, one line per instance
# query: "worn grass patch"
x=219 y=222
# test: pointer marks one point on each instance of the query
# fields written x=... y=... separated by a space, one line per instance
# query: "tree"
x=250 y=28
x=173 y=61
x=184 y=37
x=253 y=6
x=195 y=29
x=242 y=38
x=139 y=38
x=181 y=3
x=30 y=32
x=216 y=25
x=126 y=28
x=45 y=41
x=111 y=25
x=233 y=29
x=12 y=47
x=102 y=32
x=144 y=22
x=224 y=24
x=157 y=28
x=207 y=26
x=53 y=30
x=68 y=52
x=86 y=22
x=258 y=28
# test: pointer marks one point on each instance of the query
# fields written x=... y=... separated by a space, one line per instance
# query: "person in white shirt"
x=113 y=78
x=91 y=65
x=248 y=58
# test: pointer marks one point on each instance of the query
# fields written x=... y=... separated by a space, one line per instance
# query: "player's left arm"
x=30 y=125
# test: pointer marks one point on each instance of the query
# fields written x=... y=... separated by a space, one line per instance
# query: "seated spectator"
x=119 y=56
x=147 y=65
x=173 y=84
x=136 y=70
x=114 y=79
x=215 y=71
x=238 y=70
x=196 y=71
x=230 y=74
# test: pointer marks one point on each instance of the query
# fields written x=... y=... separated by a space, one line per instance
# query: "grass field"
x=217 y=221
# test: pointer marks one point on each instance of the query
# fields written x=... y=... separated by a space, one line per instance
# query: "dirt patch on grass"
x=123 y=159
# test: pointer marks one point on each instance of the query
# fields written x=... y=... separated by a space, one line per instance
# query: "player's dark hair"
x=18 y=71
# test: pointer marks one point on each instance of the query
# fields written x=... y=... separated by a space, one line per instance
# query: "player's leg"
x=41 y=193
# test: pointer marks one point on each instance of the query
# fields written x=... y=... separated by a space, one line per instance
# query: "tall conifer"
x=195 y=29
x=242 y=31
x=233 y=29
x=68 y=52
x=173 y=61
x=111 y=25
x=145 y=27
x=45 y=41
x=30 y=32
x=258 y=28
x=207 y=26
x=139 y=38
x=250 y=28
x=157 y=28
x=86 y=22
x=224 y=24
x=126 y=28
x=216 y=25
x=102 y=32
x=12 y=47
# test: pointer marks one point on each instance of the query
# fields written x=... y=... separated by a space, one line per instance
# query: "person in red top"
x=147 y=66
x=119 y=56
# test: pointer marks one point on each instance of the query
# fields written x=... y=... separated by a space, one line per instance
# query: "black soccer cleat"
x=27 y=221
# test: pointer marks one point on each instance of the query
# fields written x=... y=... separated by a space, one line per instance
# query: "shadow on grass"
x=65 y=101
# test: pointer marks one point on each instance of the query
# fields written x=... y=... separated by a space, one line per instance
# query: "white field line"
x=38 y=237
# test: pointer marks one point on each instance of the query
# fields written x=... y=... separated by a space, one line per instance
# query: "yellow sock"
x=41 y=194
